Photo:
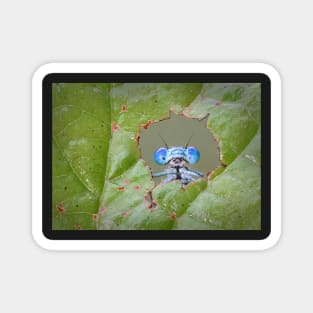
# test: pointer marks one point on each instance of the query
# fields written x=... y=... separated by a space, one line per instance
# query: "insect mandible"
x=176 y=158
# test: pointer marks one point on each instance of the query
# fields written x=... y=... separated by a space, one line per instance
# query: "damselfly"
x=176 y=158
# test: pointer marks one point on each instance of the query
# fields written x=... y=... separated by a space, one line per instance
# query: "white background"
x=37 y=32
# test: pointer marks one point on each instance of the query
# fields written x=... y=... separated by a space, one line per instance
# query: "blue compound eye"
x=193 y=155
x=160 y=156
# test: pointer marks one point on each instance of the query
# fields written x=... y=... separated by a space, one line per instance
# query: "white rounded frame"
x=276 y=141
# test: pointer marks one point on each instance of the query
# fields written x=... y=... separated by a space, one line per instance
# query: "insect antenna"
x=188 y=141
x=163 y=141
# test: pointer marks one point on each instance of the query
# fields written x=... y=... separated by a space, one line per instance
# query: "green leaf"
x=95 y=149
x=234 y=115
x=81 y=129
x=100 y=180
x=232 y=199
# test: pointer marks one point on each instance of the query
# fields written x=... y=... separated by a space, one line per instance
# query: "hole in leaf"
x=176 y=131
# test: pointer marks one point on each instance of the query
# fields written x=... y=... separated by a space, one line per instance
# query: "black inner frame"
x=156 y=78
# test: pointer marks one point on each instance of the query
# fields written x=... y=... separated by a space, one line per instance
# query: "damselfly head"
x=176 y=155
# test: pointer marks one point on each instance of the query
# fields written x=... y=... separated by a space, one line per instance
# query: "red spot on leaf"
x=94 y=217
x=149 y=122
x=126 y=181
x=217 y=140
x=103 y=210
x=78 y=226
x=124 y=108
x=121 y=188
x=145 y=197
x=152 y=206
x=126 y=213
x=173 y=216
x=60 y=208
x=209 y=174
x=218 y=103
x=137 y=137
x=137 y=187
x=115 y=128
